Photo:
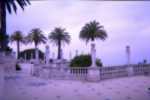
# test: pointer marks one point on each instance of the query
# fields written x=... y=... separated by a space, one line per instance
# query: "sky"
x=126 y=23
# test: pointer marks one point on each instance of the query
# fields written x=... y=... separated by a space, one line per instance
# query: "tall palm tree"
x=18 y=38
x=35 y=36
x=59 y=36
x=92 y=31
x=8 y=5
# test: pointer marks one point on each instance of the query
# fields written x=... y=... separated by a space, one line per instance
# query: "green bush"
x=83 y=61
x=18 y=68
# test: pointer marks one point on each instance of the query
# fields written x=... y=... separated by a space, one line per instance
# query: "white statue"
x=93 y=55
x=47 y=54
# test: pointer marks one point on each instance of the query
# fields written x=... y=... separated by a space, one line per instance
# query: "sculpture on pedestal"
x=47 y=54
x=93 y=55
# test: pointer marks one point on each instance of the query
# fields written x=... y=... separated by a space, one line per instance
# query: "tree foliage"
x=91 y=31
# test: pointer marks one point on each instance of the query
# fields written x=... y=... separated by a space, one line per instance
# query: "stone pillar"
x=130 y=68
x=93 y=54
x=47 y=54
x=70 y=55
x=93 y=72
x=128 y=54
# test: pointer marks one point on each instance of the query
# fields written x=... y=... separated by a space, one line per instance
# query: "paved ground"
x=22 y=86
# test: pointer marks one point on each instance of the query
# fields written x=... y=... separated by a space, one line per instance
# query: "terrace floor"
x=22 y=86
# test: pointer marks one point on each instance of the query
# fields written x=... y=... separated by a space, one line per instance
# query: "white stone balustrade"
x=101 y=73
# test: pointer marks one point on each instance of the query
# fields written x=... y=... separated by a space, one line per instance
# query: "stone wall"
x=7 y=64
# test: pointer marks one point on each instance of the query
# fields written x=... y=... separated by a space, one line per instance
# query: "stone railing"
x=8 y=61
x=7 y=64
x=78 y=73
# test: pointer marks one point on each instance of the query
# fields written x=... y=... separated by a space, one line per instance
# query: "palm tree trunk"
x=3 y=24
x=59 y=50
x=36 y=53
x=18 y=49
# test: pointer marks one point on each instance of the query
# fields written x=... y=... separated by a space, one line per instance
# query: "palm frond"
x=12 y=4
x=59 y=34
x=91 y=31
x=36 y=36
x=17 y=36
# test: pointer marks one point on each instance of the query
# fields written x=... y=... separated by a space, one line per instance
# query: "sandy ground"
x=22 y=86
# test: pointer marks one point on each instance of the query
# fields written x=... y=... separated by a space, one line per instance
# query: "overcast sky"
x=127 y=23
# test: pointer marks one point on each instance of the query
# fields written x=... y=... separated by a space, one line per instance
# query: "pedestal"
x=130 y=71
x=93 y=75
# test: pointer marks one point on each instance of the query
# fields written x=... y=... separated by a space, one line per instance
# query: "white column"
x=128 y=54
x=70 y=55
x=130 y=68
x=93 y=54
x=93 y=74
x=47 y=54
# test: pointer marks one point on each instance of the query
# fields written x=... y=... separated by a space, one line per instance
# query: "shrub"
x=18 y=68
x=83 y=61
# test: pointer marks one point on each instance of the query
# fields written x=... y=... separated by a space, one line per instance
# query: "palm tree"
x=92 y=31
x=37 y=38
x=59 y=36
x=8 y=5
x=18 y=38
